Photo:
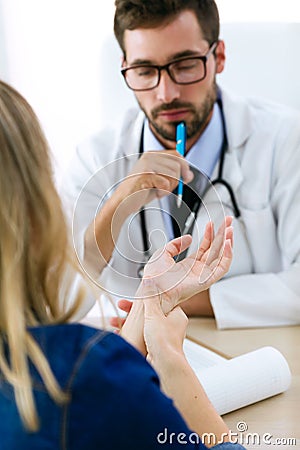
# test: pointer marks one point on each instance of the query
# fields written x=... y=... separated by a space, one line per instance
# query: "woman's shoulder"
x=76 y=350
x=64 y=338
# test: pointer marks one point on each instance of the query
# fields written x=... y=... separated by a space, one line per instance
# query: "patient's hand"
x=197 y=272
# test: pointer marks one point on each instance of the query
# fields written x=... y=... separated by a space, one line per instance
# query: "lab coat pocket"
x=261 y=233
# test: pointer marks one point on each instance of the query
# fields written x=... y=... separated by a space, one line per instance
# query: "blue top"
x=115 y=401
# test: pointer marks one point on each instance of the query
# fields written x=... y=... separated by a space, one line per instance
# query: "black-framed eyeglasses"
x=187 y=70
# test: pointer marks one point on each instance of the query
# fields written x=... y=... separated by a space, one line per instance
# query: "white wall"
x=53 y=57
x=58 y=53
x=259 y=10
x=262 y=60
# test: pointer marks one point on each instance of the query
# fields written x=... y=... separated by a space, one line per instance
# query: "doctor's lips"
x=174 y=108
x=174 y=114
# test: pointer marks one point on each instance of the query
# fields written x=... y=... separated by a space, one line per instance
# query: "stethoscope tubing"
x=193 y=216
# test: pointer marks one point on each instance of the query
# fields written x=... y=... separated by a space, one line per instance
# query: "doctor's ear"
x=123 y=61
x=220 y=57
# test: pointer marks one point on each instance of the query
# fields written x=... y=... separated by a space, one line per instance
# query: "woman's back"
x=115 y=398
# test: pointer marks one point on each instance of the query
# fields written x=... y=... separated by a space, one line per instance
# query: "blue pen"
x=180 y=147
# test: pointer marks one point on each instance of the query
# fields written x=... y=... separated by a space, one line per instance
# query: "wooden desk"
x=278 y=415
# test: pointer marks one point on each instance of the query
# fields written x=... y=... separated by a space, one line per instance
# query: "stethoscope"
x=193 y=216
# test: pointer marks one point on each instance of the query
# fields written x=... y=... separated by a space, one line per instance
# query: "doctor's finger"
x=125 y=305
x=160 y=162
x=117 y=322
x=168 y=163
x=158 y=181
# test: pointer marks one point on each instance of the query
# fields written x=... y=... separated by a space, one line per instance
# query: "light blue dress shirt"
x=203 y=156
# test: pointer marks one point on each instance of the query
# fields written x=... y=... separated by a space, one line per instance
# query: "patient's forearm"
x=180 y=383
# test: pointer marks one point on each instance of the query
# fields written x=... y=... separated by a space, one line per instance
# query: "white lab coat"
x=262 y=165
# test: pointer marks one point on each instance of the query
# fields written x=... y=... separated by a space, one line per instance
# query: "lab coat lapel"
x=238 y=125
x=130 y=135
x=127 y=144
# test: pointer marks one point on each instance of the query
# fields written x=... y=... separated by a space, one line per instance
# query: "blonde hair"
x=34 y=251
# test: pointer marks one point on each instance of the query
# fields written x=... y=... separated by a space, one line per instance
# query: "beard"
x=194 y=126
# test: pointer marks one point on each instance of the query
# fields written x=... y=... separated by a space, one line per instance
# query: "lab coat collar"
x=239 y=125
x=238 y=120
x=130 y=134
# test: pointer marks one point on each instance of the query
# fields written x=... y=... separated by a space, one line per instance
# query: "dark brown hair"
x=132 y=14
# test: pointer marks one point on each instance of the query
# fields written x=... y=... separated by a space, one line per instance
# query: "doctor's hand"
x=179 y=281
x=155 y=174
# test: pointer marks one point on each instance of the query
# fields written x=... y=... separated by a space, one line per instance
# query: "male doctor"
x=171 y=55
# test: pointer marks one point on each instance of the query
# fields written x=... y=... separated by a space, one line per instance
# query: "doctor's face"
x=170 y=103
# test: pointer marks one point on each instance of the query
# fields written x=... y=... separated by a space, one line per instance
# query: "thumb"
x=152 y=299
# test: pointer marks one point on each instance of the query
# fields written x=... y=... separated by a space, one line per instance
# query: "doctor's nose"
x=167 y=90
